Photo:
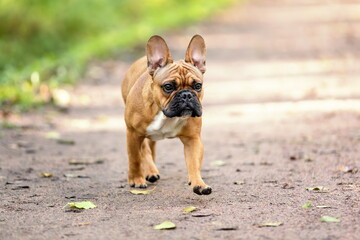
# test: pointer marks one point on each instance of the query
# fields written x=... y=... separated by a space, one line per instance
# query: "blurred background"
x=271 y=56
x=46 y=44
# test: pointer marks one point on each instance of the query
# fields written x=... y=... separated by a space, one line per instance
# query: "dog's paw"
x=202 y=190
x=152 y=178
x=138 y=182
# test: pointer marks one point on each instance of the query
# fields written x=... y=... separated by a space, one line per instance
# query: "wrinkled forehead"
x=178 y=70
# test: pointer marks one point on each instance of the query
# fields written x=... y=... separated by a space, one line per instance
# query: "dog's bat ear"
x=196 y=53
x=158 y=54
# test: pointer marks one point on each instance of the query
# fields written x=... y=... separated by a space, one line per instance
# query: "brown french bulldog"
x=163 y=100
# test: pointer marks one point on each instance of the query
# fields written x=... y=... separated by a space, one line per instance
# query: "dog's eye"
x=168 y=87
x=197 y=86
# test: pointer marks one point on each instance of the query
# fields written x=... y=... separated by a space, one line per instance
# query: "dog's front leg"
x=136 y=177
x=194 y=152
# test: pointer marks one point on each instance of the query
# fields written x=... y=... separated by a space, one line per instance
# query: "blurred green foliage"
x=47 y=43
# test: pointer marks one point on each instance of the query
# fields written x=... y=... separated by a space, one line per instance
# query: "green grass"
x=45 y=43
x=8 y=125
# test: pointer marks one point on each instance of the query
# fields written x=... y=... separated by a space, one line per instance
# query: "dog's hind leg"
x=148 y=155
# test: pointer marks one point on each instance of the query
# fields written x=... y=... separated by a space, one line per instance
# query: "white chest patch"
x=163 y=127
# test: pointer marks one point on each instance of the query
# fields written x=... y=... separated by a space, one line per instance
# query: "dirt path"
x=281 y=110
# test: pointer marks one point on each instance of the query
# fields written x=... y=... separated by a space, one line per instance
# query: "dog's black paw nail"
x=189 y=183
x=152 y=178
x=197 y=190
x=206 y=191
x=142 y=186
x=132 y=185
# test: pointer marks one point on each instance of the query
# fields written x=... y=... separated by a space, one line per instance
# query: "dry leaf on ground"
x=271 y=224
x=239 y=182
x=46 y=175
x=329 y=219
x=165 y=225
x=189 y=209
x=142 y=192
x=81 y=205
x=317 y=188
x=218 y=163
x=307 y=205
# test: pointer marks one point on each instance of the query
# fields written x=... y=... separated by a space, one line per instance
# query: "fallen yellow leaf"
x=189 y=209
x=46 y=175
x=165 y=225
x=142 y=192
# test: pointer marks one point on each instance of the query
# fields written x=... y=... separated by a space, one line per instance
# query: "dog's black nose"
x=186 y=95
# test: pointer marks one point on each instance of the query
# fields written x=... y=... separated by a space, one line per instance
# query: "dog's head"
x=177 y=86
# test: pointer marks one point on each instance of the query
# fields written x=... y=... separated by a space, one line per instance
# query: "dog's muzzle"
x=184 y=104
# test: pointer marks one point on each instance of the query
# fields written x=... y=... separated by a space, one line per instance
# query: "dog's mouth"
x=187 y=112
x=180 y=106
x=184 y=112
